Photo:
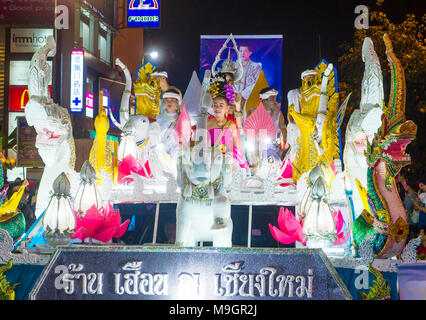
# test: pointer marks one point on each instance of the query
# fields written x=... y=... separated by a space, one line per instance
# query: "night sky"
x=307 y=27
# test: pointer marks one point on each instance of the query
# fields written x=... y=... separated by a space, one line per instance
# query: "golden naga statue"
x=147 y=92
x=100 y=154
x=316 y=119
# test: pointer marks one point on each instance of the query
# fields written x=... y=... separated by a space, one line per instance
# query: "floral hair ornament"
x=229 y=93
x=219 y=88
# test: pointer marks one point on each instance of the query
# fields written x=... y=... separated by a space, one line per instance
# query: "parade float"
x=344 y=231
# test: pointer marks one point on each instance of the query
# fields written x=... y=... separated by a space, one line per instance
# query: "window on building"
x=87 y=24
x=104 y=42
x=101 y=39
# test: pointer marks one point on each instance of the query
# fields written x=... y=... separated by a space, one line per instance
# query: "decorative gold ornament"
x=399 y=230
x=380 y=289
x=147 y=91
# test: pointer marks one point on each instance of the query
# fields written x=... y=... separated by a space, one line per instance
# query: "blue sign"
x=359 y=280
x=143 y=13
x=153 y=273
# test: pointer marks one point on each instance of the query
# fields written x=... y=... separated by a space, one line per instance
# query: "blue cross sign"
x=77 y=81
x=76 y=101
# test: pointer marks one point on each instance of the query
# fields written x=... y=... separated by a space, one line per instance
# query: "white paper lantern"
x=319 y=219
x=88 y=193
x=59 y=216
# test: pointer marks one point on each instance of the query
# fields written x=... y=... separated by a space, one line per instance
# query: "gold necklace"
x=221 y=124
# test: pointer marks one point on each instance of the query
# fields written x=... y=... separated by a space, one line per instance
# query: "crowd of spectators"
x=413 y=195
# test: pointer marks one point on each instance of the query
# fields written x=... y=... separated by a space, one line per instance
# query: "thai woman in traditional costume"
x=223 y=132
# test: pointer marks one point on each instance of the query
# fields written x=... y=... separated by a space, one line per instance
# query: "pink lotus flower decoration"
x=129 y=165
x=291 y=230
x=103 y=224
x=339 y=222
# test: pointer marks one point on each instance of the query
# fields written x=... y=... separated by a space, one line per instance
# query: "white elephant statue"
x=204 y=176
x=203 y=211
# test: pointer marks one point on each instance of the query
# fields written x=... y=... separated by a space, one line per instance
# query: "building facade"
x=91 y=32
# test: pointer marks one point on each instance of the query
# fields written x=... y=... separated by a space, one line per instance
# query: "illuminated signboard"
x=105 y=99
x=19 y=74
x=144 y=273
x=89 y=105
x=28 y=40
x=143 y=13
x=18 y=84
x=18 y=12
x=19 y=96
x=77 y=81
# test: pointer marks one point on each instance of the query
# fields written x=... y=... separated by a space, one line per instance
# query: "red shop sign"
x=19 y=96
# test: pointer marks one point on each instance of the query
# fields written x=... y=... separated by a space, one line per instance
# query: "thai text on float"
x=266 y=283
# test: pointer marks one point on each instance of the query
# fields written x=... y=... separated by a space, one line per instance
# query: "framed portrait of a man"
x=260 y=57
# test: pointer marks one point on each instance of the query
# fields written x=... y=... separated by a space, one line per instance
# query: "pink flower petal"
x=299 y=236
x=281 y=222
x=280 y=236
x=82 y=233
x=338 y=220
x=92 y=220
x=101 y=224
x=341 y=239
x=121 y=229
x=292 y=225
x=105 y=236
x=129 y=165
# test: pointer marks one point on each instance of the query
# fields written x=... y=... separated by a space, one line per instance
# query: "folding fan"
x=259 y=120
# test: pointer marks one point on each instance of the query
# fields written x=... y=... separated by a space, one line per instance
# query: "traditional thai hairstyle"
x=219 y=87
